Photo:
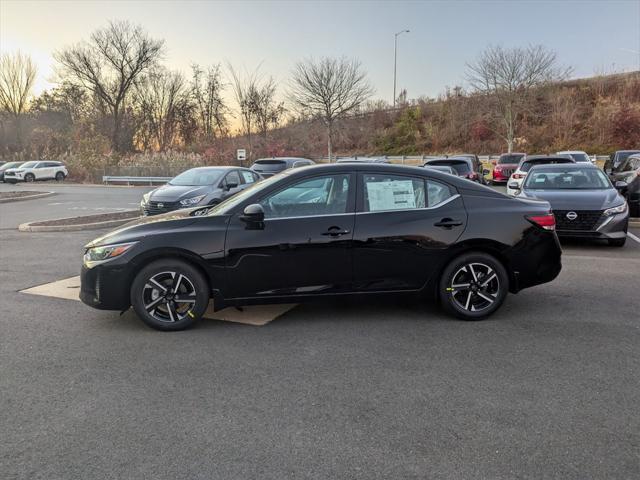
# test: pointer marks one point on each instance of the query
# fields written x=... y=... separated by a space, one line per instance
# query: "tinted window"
x=461 y=167
x=558 y=179
x=197 y=177
x=393 y=192
x=316 y=196
x=28 y=165
x=631 y=164
x=526 y=165
x=580 y=157
x=232 y=178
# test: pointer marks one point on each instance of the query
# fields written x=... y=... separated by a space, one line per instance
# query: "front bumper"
x=105 y=287
x=610 y=227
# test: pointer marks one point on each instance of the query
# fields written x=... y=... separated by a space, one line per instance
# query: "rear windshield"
x=459 y=166
x=570 y=179
x=510 y=158
x=267 y=165
x=580 y=157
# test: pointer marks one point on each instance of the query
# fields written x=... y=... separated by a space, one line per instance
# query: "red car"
x=506 y=165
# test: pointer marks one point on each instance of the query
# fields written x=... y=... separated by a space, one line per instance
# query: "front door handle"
x=448 y=223
x=335 y=232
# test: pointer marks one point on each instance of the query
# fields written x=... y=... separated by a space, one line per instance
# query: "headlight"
x=191 y=201
x=145 y=198
x=614 y=210
x=96 y=255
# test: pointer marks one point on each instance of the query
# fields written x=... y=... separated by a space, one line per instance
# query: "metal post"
x=395 y=62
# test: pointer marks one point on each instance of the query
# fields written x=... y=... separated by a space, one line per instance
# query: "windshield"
x=198 y=177
x=515 y=158
x=6 y=166
x=632 y=163
x=29 y=165
x=569 y=179
x=230 y=203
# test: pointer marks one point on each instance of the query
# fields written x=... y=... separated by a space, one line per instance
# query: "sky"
x=593 y=37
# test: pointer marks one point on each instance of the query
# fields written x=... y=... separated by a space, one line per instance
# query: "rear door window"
x=392 y=192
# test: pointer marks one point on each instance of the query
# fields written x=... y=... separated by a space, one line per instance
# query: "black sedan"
x=328 y=230
x=202 y=186
x=584 y=201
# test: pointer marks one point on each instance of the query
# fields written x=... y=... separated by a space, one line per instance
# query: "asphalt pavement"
x=387 y=388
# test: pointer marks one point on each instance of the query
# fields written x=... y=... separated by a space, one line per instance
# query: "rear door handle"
x=335 y=232
x=448 y=223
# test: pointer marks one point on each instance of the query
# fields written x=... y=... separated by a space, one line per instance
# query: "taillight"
x=547 y=221
x=519 y=175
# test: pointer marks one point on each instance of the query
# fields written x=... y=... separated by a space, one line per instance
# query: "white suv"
x=578 y=156
x=514 y=185
x=40 y=170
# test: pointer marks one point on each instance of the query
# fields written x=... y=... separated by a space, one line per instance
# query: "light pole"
x=395 y=62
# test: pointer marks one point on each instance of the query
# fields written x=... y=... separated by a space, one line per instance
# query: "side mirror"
x=229 y=186
x=620 y=185
x=253 y=216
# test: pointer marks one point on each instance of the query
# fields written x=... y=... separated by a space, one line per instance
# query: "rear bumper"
x=535 y=260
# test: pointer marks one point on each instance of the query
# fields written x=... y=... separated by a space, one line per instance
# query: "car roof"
x=286 y=159
x=448 y=159
x=216 y=167
x=564 y=166
x=547 y=157
x=513 y=153
x=571 y=151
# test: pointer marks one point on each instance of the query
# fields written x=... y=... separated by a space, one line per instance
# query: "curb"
x=29 y=197
x=29 y=227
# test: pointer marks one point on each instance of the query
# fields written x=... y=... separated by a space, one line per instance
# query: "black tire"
x=60 y=177
x=29 y=177
x=617 y=242
x=476 y=302
x=170 y=314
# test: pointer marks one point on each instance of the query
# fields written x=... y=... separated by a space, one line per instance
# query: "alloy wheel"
x=474 y=287
x=169 y=296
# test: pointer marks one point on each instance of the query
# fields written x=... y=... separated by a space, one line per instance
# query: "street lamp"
x=395 y=61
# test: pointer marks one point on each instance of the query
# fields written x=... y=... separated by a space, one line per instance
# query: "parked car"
x=462 y=165
x=442 y=168
x=506 y=165
x=36 y=170
x=617 y=159
x=197 y=187
x=517 y=177
x=577 y=155
x=312 y=233
x=627 y=179
x=584 y=201
x=270 y=166
x=7 y=166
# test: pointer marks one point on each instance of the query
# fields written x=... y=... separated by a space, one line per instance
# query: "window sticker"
x=391 y=195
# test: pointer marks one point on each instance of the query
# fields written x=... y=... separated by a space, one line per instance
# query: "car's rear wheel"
x=617 y=242
x=29 y=177
x=473 y=286
x=59 y=176
x=169 y=295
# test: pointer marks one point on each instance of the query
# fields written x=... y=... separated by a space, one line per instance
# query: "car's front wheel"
x=473 y=286
x=170 y=295
x=29 y=177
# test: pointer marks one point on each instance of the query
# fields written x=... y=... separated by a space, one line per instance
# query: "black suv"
x=270 y=166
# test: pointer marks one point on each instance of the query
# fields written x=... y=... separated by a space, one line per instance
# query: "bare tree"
x=161 y=96
x=267 y=111
x=508 y=76
x=206 y=90
x=329 y=89
x=17 y=76
x=109 y=64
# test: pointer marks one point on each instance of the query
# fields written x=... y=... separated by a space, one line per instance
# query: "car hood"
x=175 y=193
x=577 y=199
x=144 y=226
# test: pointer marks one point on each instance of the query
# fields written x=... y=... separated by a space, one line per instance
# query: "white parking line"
x=633 y=237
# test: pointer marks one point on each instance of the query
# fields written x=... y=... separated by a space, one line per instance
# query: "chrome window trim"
x=448 y=200
x=311 y=216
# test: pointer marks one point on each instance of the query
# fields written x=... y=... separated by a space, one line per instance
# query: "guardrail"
x=135 y=180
